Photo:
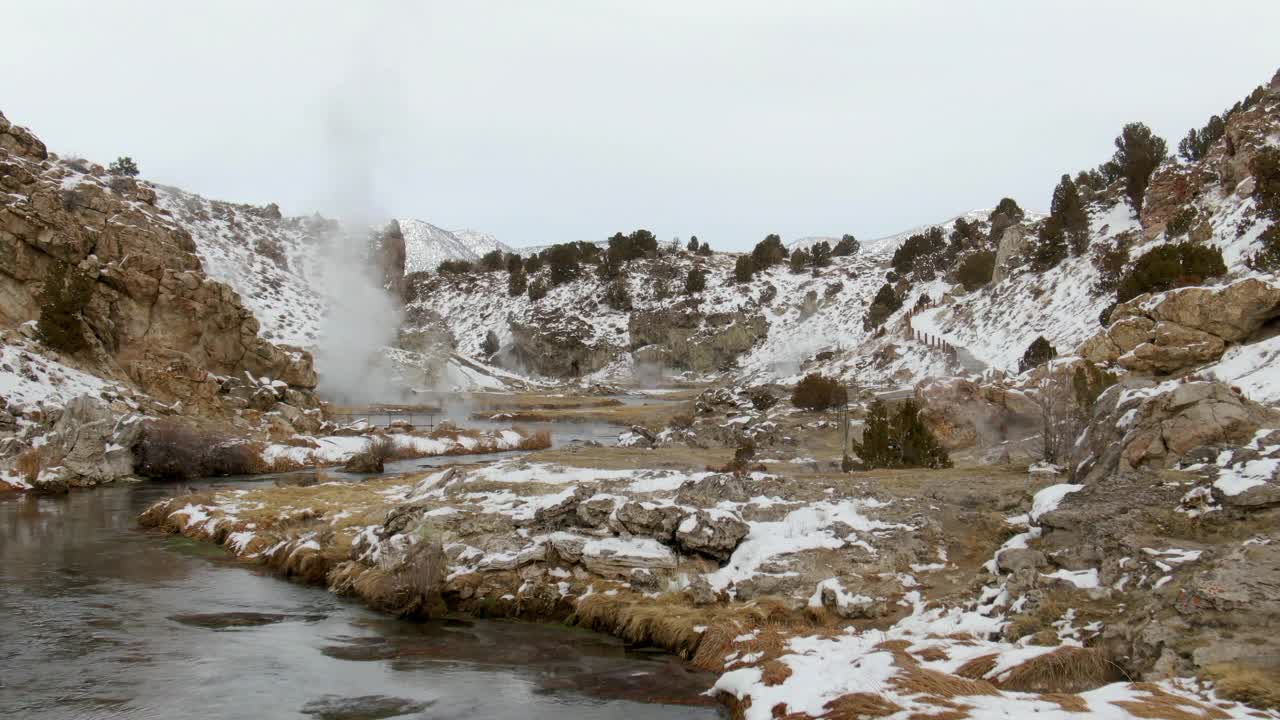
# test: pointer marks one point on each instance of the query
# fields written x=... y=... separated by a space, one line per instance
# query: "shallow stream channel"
x=100 y=619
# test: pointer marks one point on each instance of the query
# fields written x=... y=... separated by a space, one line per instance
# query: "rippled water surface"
x=101 y=620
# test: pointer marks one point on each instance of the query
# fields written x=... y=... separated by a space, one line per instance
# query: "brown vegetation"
x=1161 y=705
x=29 y=463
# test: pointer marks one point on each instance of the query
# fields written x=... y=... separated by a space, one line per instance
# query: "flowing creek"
x=99 y=619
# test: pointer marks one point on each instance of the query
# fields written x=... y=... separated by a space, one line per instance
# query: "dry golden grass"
x=774 y=672
x=978 y=667
x=936 y=687
x=1253 y=686
x=855 y=706
x=1161 y=705
x=1065 y=670
x=1067 y=701
x=932 y=654
x=29 y=463
x=915 y=680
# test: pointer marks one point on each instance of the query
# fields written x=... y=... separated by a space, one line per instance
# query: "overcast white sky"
x=549 y=121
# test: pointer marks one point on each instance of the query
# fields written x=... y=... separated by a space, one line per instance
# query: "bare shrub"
x=29 y=463
x=173 y=449
x=372 y=459
x=818 y=392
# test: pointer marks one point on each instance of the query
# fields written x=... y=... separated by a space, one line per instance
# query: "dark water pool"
x=101 y=620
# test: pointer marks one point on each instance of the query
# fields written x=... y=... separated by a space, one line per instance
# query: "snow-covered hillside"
x=426 y=246
x=269 y=260
x=799 y=327
x=998 y=322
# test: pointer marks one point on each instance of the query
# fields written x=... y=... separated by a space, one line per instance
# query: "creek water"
x=99 y=619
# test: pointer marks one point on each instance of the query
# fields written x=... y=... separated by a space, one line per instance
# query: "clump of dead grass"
x=29 y=463
x=1162 y=705
x=1067 y=701
x=1065 y=670
x=1250 y=685
x=855 y=706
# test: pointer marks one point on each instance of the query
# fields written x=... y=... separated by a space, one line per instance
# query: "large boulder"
x=1184 y=328
x=90 y=444
x=1232 y=312
x=715 y=533
x=1154 y=427
x=965 y=414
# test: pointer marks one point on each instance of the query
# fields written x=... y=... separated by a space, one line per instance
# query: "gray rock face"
x=689 y=339
x=656 y=521
x=1012 y=244
x=558 y=345
x=91 y=445
x=707 y=491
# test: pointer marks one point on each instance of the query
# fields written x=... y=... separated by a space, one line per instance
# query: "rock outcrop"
x=1182 y=329
x=1013 y=242
x=686 y=338
x=965 y=414
x=1155 y=427
x=150 y=304
x=557 y=345
x=89 y=445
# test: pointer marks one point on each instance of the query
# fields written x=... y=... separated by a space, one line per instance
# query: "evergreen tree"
x=1005 y=215
x=1138 y=153
x=1169 y=266
x=704 y=249
x=848 y=245
x=1265 y=167
x=537 y=290
x=818 y=392
x=885 y=304
x=124 y=166
x=517 y=282
x=800 y=260
x=695 y=282
x=1009 y=208
x=533 y=263
x=743 y=269
x=899 y=439
x=492 y=261
x=693 y=245
x=1050 y=246
x=768 y=252
x=820 y=254
x=1267 y=259
x=618 y=295
x=1068 y=211
x=514 y=263
x=562 y=263
x=1196 y=144
x=976 y=269
x=1038 y=353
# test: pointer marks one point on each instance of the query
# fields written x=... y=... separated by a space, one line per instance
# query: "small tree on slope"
x=1138 y=153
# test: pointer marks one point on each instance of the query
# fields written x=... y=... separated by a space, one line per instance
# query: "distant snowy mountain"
x=426 y=246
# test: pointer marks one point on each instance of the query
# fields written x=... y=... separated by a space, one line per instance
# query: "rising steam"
x=362 y=319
